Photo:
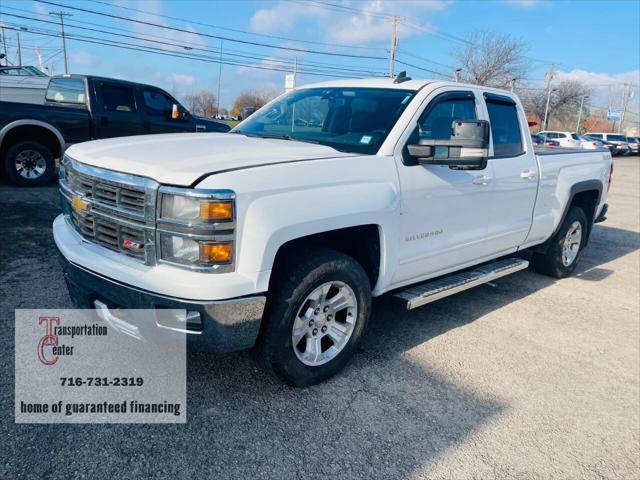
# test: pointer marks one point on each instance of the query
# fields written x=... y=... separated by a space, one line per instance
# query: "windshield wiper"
x=283 y=136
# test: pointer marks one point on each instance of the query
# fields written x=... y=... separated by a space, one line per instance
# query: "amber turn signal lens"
x=216 y=252
x=216 y=211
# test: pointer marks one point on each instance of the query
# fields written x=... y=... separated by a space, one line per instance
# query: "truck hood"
x=182 y=158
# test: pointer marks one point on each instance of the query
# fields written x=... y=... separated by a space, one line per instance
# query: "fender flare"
x=35 y=123
x=584 y=186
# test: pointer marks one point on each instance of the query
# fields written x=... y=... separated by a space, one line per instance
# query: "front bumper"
x=225 y=325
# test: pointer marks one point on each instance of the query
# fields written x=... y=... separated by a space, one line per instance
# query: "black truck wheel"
x=566 y=246
x=315 y=317
x=29 y=163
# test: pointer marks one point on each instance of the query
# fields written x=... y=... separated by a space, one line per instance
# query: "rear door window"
x=505 y=125
x=66 y=90
x=118 y=98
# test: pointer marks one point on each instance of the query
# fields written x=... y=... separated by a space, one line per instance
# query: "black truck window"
x=118 y=98
x=66 y=90
x=157 y=103
x=505 y=127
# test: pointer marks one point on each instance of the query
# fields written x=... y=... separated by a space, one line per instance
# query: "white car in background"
x=564 y=139
x=590 y=143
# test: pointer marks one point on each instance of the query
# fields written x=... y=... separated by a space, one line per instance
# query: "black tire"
x=289 y=293
x=33 y=149
x=551 y=263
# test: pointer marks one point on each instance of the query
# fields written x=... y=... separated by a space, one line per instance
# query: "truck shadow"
x=387 y=415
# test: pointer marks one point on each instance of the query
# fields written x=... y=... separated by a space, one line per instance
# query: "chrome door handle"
x=528 y=175
x=482 y=180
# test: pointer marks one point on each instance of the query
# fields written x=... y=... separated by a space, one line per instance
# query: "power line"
x=413 y=55
x=358 y=70
x=332 y=6
x=169 y=53
x=235 y=30
x=421 y=68
x=240 y=53
x=218 y=37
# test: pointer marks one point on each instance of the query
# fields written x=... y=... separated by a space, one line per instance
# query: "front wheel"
x=315 y=317
x=565 y=248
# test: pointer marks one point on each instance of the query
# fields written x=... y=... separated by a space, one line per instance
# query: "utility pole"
x=580 y=114
x=628 y=94
x=513 y=84
x=19 y=50
x=64 y=46
x=219 y=79
x=394 y=44
x=4 y=45
x=549 y=76
x=456 y=74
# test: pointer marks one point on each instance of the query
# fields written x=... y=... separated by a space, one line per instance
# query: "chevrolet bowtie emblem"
x=78 y=204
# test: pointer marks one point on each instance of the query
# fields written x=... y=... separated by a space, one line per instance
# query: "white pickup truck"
x=278 y=234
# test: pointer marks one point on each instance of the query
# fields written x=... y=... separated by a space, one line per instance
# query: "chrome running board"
x=432 y=290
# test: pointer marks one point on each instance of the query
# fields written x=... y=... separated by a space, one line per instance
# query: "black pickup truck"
x=78 y=108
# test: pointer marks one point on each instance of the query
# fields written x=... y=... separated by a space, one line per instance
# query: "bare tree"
x=492 y=59
x=252 y=98
x=564 y=104
x=202 y=103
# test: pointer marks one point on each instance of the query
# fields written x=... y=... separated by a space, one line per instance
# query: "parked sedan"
x=590 y=143
x=611 y=146
x=617 y=138
x=634 y=145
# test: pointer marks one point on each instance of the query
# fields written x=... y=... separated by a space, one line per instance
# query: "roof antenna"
x=402 y=77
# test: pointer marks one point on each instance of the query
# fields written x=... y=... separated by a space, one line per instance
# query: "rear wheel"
x=565 y=248
x=315 y=317
x=29 y=164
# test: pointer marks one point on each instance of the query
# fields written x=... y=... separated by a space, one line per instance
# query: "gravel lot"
x=528 y=378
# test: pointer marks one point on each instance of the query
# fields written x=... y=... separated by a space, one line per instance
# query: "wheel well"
x=31 y=132
x=361 y=243
x=588 y=202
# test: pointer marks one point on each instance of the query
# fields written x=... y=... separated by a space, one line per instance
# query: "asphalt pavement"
x=526 y=378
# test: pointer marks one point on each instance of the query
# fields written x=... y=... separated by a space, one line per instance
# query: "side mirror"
x=467 y=148
x=178 y=112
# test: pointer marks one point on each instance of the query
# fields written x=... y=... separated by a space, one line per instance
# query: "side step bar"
x=432 y=290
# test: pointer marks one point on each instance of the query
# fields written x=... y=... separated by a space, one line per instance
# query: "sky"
x=597 y=42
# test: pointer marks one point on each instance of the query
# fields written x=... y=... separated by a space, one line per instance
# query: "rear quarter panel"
x=559 y=172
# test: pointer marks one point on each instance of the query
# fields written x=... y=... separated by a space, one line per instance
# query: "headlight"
x=195 y=209
x=195 y=253
x=196 y=228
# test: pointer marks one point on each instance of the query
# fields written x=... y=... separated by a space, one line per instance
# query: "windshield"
x=348 y=119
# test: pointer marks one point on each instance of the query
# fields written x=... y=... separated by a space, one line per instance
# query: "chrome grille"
x=120 y=209
x=108 y=193
x=109 y=234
